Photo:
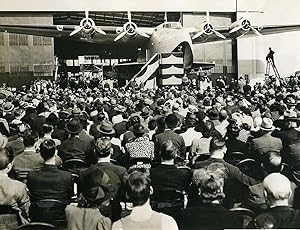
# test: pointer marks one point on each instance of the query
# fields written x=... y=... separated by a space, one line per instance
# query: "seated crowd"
x=166 y=158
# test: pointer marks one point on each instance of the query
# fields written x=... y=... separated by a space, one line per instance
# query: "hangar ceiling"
x=143 y=19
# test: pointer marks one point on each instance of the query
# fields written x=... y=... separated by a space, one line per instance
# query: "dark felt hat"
x=138 y=129
x=73 y=126
x=97 y=185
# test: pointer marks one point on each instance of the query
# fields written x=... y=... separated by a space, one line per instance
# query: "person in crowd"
x=117 y=174
x=222 y=127
x=29 y=160
x=73 y=147
x=169 y=134
x=201 y=145
x=13 y=193
x=190 y=130
x=50 y=182
x=232 y=143
x=138 y=191
x=256 y=199
x=233 y=174
x=141 y=150
x=106 y=130
x=166 y=176
x=83 y=135
x=208 y=213
x=279 y=215
x=95 y=196
x=266 y=142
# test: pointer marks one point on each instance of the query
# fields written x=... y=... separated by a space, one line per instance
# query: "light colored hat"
x=267 y=124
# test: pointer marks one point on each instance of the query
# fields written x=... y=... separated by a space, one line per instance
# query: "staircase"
x=161 y=69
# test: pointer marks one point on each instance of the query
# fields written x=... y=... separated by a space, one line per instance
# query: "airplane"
x=165 y=38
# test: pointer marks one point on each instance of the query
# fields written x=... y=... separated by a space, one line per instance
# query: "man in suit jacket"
x=167 y=176
x=12 y=192
x=267 y=143
x=256 y=200
x=171 y=123
x=277 y=189
x=73 y=147
x=49 y=182
x=117 y=174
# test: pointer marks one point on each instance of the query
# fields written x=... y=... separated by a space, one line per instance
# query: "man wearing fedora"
x=266 y=143
x=117 y=174
x=171 y=123
x=288 y=133
x=94 y=197
x=73 y=147
x=106 y=130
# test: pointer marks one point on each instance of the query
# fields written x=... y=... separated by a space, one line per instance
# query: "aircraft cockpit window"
x=167 y=25
x=172 y=25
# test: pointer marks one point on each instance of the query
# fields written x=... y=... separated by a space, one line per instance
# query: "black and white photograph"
x=149 y=115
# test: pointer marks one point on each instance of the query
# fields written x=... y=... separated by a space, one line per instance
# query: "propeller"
x=77 y=29
x=87 y=24
x=131 y=29
x=208 y=29
x=246 y=26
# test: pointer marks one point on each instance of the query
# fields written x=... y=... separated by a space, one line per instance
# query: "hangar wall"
x=25 y=57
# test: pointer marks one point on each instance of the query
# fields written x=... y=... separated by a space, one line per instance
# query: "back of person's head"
x=133 y=120
x=168 y=150
x=152 y=124
x=47 y=149
x=171 y=121
x=138 y=187
x=223 y=114
x=4 y=159
x=30 y=137
x=47 y=128
x=208 y=128
x=210 y=183
x=277 y=187
x=103 y=147
x=216 y=143
x=161 y=124
x=271 y=162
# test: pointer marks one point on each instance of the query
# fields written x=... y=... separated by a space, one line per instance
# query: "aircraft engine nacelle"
x=240 y=27
x=206 y=30
x=88 y=26
x=131 y=29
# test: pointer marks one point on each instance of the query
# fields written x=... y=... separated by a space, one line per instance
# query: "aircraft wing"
x=128 y=66
x=63 y=31
x=263 y=29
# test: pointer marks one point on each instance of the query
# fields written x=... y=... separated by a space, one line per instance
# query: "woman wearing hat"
x=94 y=197
x=140 y=151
